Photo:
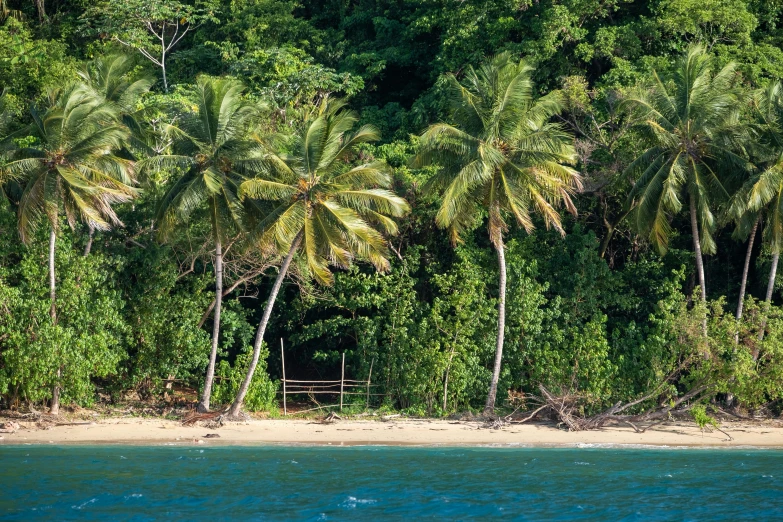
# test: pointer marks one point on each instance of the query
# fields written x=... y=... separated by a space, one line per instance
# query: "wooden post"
x=342 y=380
x=368 y=383
x=282 y=359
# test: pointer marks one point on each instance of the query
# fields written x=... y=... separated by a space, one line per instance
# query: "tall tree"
x=688 y=125
x=72 y=172
x=501 y=156
x=325 y=210
x=208 y=146
x=152 y=27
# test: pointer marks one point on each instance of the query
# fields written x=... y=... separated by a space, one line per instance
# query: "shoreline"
x=398 y=432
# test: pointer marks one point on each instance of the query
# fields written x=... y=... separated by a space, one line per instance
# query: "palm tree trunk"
x=205 y=398
x=745 y=269
x=770 y=286
x=493 y=385
x=237 y=404
x=699 y=259
x=88 y=246
x=52 y=287
x=55 y=406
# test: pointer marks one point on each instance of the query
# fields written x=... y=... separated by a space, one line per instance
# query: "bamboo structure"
x=346 y=387
x=369 y=376
x=282 y=360
x=342 y=382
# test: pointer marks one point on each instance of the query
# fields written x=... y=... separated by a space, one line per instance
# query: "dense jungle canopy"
x=602 y=178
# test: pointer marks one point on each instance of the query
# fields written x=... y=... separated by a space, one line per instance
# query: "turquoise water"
x=387 y=483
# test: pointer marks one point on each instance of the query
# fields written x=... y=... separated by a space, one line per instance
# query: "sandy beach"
x=390 y=432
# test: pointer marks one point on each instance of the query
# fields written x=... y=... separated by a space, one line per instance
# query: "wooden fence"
x=342 y=387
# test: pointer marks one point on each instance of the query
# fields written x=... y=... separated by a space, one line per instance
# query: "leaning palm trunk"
x=699 y=259
x=206 y=396
x=237 y=405
x=493 y=385
x=745 y=269
x=55 y=407
x=768 y=299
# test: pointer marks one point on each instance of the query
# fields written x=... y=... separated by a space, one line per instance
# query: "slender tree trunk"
x=88 y=246
x=40 y=6
x=163 y=68
x=770 y=287
x=55 y=406
x=236 y=407
x=493 y=385
x=205 y=398
x=745 y=269
x=699 y=259
x=446 y=380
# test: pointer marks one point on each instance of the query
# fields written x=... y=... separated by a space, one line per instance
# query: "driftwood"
x=565 y=408
x=212 y=420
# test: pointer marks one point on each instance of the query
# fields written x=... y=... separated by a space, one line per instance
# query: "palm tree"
x=207 y=146
x=73 y=171
x=323 y=209
x=112 y=79
x=690 y=126
x=500 y=156
x=763 y=194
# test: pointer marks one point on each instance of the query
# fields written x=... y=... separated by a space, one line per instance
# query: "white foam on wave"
x=352 y=502
x=133 y=495
x=85 y=504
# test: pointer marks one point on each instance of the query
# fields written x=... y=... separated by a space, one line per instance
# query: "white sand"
x=392 y=432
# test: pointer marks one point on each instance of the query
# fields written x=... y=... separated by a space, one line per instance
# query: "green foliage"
x=29 y=66
x=599 y=312
x=262 y=393
x=290 y=78
x=163 y=315
x=700 y=417
x=88 y=340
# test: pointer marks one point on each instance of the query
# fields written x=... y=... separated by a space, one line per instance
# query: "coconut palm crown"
x=502 y=154
x=339 y=213
x=73 y=170
x=208 y=146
